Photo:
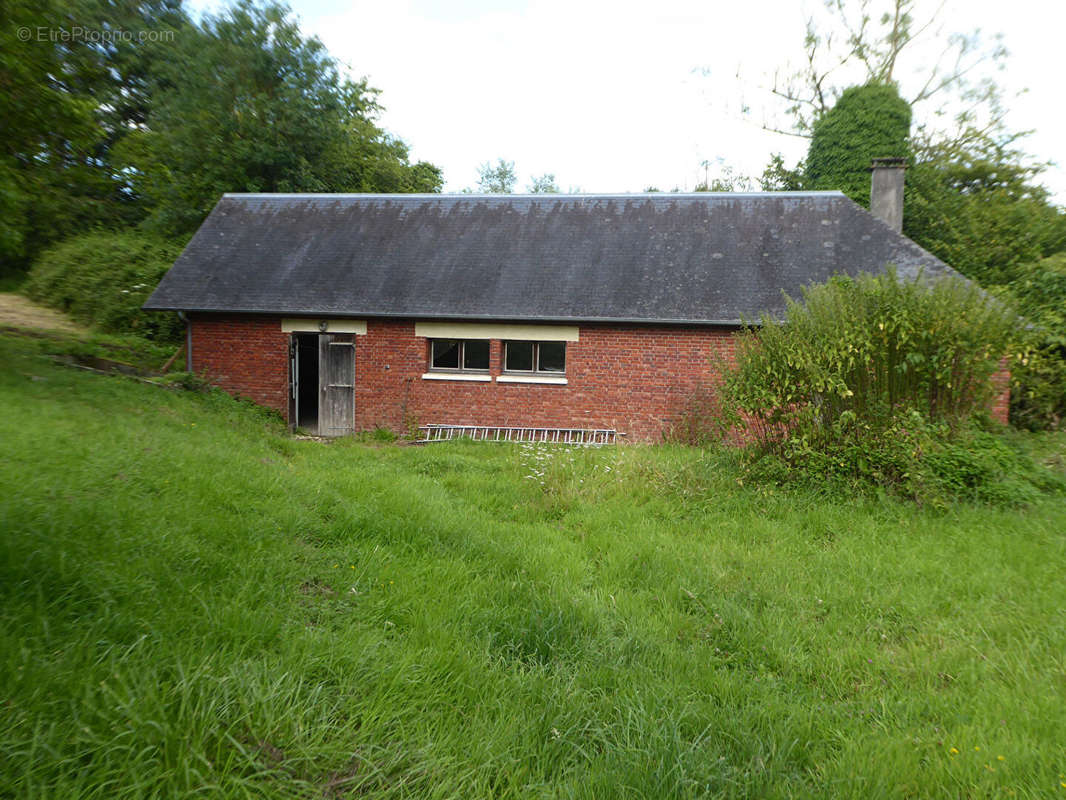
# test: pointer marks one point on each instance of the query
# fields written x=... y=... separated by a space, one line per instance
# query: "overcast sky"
x=613 y=96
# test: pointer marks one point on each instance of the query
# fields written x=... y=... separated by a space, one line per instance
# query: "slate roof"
x=702 y=258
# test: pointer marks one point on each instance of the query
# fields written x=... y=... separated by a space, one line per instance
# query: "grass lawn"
x=193 y=603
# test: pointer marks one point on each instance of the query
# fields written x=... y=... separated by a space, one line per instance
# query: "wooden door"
x=336 y=382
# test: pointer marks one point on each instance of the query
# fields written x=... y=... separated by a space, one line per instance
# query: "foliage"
x=978 y=208
x=776 y=177
x=1038 y=399
x=853 y=44
x=102 y=130
x=46 y=126
x=872 y=346
x=779 y=178
x=498 y=178
x=728 y=179
x=972 y=195
x=65 y=105
x=544 y=184
x=122 y=74
x=250 y=104
x=869 y=378
x=102 y=279
x=867 y=122
x=909 y=456
x=308 y=620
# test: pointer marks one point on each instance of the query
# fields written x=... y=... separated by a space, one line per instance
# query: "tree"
x=779 y=178
x=776 y=177
x=545 y=184
x=47 y=129
x=121 y=74
x=498 y=178
x=249 y=104
x=1038 y=395
x=980 y=210
x=867 y=122
x=864 y=41
x=728 y=180
x=971 y=196
x=66 y=102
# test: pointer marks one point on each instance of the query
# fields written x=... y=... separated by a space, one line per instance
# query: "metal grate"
x=493 y=433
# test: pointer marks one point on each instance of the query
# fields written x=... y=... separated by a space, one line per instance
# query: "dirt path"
x=18 y=312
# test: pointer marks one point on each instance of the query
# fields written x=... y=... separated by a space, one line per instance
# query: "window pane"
x=519 y=357
x=476 y=354
x=552 y=357
x=445 y=354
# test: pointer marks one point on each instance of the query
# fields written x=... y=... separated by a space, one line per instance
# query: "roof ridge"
x=542 y=196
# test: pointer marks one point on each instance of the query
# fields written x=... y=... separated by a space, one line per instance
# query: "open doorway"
x=322 y=383
x=305 y=381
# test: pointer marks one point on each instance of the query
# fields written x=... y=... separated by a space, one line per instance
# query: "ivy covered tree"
x=867 y=122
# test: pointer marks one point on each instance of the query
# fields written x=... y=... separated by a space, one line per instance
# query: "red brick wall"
x=1001 y=398
x=247 y=356
x=633 y=378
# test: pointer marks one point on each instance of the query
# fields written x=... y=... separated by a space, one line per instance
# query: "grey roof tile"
x=696 y=258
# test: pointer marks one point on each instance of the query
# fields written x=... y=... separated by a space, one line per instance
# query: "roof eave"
x=274 y=312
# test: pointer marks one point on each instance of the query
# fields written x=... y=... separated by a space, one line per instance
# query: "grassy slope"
x=192 y=602
x=19 y=312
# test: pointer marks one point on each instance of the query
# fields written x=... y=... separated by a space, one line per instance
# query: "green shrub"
x=879 y=382
x=912 y=459
x=102 y=279
x=874 y=346
x=1038 y=396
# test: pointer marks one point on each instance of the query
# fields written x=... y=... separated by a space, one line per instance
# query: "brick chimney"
x=886 y=191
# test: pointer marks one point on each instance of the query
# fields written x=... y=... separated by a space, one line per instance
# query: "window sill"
x=545 y=379
x=455 y=376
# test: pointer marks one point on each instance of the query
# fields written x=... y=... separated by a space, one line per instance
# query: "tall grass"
x=192 y=603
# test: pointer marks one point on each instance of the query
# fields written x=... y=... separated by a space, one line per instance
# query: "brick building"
x=352 y=312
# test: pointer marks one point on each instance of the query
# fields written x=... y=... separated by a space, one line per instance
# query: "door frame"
x=294 y=382
x=324 y=334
